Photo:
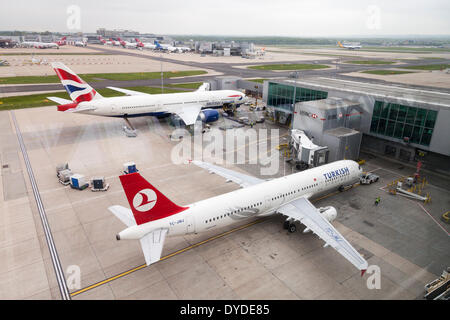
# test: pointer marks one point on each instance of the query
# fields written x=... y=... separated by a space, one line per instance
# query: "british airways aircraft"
x=187 y=105
x=153 y=216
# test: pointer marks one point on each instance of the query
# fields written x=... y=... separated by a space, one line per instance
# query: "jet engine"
x=329 y=213
x=209 y=115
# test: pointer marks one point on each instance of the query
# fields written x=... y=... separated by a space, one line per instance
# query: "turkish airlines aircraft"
x=153 y=215
x=186 y=105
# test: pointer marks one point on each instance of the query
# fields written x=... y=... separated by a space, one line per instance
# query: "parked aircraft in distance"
x=169 y=48
x=44 y=45
x=146 y=45
x=109 y=42
x=186 y=105
x=153 y=216
x=350 y=46
x=105 y=42
x=126 y=44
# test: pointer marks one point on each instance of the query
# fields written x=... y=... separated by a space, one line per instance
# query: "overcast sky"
x=298 y=18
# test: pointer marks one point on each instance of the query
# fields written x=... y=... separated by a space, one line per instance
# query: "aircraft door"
x=114 y=109
x=190 y=224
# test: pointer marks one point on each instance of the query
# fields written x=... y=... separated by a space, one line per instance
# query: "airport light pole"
x=295 y=75
x=162 y=75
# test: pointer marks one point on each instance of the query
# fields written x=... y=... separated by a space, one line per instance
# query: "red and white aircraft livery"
x=186 y=105
x=44 y=45
x=153 y=216
x=127 y=44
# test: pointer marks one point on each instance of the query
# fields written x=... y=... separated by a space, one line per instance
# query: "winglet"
x=363 y=271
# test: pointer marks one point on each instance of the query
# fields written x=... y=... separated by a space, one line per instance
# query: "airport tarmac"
x=258 y=261
x=23 y=66
x=363 y=53
x=269 y=57
x=435 y=79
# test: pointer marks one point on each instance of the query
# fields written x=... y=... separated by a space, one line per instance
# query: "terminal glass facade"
x=282 y=95
x=399 y=121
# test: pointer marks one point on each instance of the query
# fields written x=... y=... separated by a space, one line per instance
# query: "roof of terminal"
x=411 y=95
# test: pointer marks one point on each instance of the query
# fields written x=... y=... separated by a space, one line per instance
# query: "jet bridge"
x=304 y=153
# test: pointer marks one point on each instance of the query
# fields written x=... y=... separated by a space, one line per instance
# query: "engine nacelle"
x=330 y=213
x=209 y=115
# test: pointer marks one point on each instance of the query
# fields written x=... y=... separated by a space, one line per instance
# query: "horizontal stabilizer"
x=81 y=109
x=123 y=214
x=128 y=92
x=59 y=100
x=152 y=245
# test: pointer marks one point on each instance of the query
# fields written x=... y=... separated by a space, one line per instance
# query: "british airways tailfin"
x=77 y=89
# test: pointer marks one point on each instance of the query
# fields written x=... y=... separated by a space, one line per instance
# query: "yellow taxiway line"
x=120 y=275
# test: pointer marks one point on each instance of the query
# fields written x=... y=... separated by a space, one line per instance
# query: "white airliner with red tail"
x=145 y=45
x=127 y=44
x=153 y=216
x=45 y=45
x=187 y=105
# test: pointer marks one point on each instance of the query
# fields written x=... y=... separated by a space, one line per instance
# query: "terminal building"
x=404 y=123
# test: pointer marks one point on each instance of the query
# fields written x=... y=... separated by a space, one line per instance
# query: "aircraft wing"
x=304 y=211
x=242 y=179
x=59 y=100
x=152 y=245
x=128 y=92
x=188 y=113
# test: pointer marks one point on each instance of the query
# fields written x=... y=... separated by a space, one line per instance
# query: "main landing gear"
x=130 y=131
x=289 y=226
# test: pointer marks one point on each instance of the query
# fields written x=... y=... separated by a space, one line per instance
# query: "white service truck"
x=368 y=178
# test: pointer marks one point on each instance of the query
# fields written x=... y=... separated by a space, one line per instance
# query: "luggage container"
x=77 y=181
x=129 y=167
x=98 y=184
